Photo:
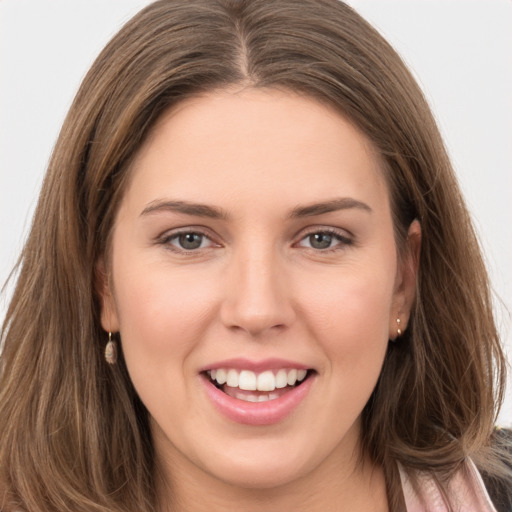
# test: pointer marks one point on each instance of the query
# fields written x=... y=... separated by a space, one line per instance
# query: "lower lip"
x=258 y=413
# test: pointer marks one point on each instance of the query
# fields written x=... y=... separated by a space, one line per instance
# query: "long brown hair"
x=74 y=435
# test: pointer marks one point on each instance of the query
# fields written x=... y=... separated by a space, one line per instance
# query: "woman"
x=251 y=282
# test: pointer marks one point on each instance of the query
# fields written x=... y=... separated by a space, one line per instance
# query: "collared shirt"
x=466 y=491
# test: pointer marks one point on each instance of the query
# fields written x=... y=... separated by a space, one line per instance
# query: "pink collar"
x=466 y=491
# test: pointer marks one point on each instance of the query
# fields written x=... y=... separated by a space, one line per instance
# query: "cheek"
x=161 y=312
x=350 y=309
x=348 y=316
x=163 y=317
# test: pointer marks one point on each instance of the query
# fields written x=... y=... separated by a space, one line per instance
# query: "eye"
x=324 y=240
x=188 y=241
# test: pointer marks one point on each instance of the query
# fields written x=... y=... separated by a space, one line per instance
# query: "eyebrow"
x=212 y=212
x=342 y=203
x=188 y=208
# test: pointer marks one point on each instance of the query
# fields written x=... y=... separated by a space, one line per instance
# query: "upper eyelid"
x=342 y=233
x=200 y=230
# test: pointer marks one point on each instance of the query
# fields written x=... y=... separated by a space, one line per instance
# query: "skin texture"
x=258 y=288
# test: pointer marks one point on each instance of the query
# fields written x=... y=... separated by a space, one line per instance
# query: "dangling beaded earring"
x=111 y=350
x=398 y=331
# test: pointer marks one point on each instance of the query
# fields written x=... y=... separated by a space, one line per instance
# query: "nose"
x=258 y=295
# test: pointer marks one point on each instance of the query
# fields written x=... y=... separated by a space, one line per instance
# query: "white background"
x=460 y=51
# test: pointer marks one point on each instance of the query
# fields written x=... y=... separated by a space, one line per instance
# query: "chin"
x=268 y=465
x=261 y=476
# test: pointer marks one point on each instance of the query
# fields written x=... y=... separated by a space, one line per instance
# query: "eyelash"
x=167 y=239
x=343 y=240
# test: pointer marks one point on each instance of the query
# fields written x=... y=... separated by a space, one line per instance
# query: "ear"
x=108 y=315
x=405 y=284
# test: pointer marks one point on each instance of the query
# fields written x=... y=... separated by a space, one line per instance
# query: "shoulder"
x=464 y=491
x=469 y=489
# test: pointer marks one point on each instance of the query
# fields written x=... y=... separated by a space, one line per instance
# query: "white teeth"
x=247 y=380
x=232 y=380
x=250 y=381
x=255 y=398
x=292 y=377
x=221 y=376
x=281 y=379
x=266 y=381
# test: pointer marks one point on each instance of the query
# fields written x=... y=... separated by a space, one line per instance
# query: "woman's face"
x=255 y=244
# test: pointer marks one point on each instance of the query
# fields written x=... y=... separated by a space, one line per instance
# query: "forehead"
x=256 y=142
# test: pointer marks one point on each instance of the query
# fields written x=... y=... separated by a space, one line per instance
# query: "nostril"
x=257 y=303
x=256 y=327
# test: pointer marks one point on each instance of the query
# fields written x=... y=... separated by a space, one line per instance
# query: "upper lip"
x=255 y=366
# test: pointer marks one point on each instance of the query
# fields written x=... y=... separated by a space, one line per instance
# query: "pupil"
x=190 y=240
x=320 y=240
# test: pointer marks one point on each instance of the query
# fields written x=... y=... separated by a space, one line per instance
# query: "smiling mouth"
x=251 y=386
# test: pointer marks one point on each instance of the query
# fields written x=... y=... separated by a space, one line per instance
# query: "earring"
x=398 y=331
x=111 y=350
